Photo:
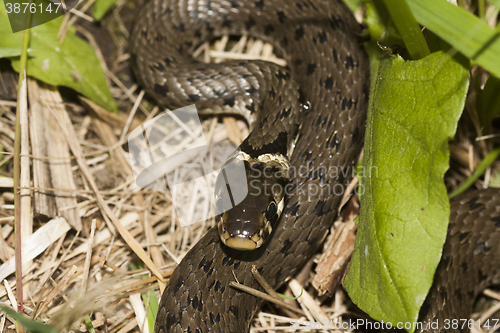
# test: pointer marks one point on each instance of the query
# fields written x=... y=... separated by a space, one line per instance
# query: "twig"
x=265 y=297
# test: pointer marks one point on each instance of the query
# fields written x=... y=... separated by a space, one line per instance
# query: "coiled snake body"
x=329 y=73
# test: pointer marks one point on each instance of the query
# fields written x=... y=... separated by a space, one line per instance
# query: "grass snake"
x=329 y=73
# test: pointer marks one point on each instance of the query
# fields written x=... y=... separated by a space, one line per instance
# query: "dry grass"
x=93 y=222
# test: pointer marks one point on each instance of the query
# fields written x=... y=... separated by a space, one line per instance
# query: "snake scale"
x=328 y=72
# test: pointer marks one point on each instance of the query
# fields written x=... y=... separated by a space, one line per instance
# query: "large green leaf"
x=72 y=63
x=405 y=210
x=470 y=35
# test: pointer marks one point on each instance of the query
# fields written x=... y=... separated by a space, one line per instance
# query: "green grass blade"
x=408 y=28
x=481 y=168
x=468 y=34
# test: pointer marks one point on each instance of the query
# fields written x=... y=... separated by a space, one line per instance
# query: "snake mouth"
x=241 y=243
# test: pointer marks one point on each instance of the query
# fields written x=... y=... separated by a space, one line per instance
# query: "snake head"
x=247 y=224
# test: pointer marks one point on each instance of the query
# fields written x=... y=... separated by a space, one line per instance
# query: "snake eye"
x=271 y=210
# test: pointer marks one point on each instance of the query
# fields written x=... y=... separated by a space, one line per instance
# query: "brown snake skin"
x=318 y=39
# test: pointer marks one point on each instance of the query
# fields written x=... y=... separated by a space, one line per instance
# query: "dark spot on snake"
x=222 y=290
x=217 y=285
x=159 y=38
x=180 y=27
x=446 y=261
x=329 y=83
x=197 y=33
x=205 y=264
x=194 y=98
x=475 y=205
x=282 y=75
x=167 y=61
x=210 y=30
x=161 y=89
x=299 y=33
x=178 y=284
x=268 y=29
x=298 y=62
x=322 y=37
x=463 y=236
x=320 y=208
x=194 y=301
x=284 y=42
x=472 y=201
x=313 y=6
x=227 y=261
x=229 y=101
x=209 y=4
x=171 y=320
x=214 y=319
x=299 y=5
x=278 y=274
x=159 y=67
x=272 y=92
x=481 y=276
x=286 y=246
x=335 y=55
x=335 y=22
x=260 y=4
x=318 y=122
x=310 y=69
x=464 y=266
x=481 y=246
x=250 y=107
x=252 y=90
x=236 y=265
x=442 y=292
x=497 y=220
x=281 y=16
x=355 y=135
x=226 y=23
x=179 y=49
x=250 y=23
x=349 y=63
x=284 y=113
x=234 y=310
x=342 y=175
x=306 y=156
x=346 y=103
x=234 y=3
x=303 y=101
x=333 y=142
x=458 y=294
x=188 y=43
x=211 y=284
